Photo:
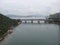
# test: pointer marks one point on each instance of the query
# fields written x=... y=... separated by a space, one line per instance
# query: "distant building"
x=55 y=16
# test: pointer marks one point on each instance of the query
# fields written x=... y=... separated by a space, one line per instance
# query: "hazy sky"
x=29 y=7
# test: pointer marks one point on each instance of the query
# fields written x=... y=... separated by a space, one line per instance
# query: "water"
x=33 y=34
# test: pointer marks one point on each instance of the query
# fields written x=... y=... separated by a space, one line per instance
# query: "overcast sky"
x=29 y=7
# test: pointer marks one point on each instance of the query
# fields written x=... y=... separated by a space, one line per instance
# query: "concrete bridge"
x=32 y=20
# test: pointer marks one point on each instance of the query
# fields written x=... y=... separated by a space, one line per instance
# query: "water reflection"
x=59 y=34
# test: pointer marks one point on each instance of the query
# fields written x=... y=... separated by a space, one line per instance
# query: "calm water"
x=33 y=34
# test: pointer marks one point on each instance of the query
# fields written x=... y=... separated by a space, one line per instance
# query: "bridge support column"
x=38 y=21
x=31 y=21
x=46 y=21
x=25 y=21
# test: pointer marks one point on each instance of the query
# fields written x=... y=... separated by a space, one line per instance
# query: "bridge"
x=25 y=19
x=32 y=20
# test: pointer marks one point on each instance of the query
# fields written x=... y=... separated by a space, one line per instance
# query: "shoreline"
x=9 y=31
x=3 y=36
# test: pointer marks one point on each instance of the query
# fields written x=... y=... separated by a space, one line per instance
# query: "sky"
x=29 y=7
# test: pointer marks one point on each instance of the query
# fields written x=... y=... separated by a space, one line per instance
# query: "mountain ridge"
x=27 y=15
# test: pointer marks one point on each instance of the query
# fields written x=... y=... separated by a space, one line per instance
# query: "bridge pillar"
x=31 y=21
x=46 y=21
x=25 y=21
x=38 y=21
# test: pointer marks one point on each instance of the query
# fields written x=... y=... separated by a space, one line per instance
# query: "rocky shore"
x=8 y=32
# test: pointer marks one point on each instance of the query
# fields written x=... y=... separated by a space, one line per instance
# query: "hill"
x=5 y=23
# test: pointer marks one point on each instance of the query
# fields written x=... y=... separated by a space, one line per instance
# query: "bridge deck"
x=33 y=19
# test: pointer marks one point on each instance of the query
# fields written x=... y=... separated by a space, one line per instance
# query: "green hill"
x=5 y=23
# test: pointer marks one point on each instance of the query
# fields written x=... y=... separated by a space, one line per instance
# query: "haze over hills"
x=27 y=17
x=10 y=15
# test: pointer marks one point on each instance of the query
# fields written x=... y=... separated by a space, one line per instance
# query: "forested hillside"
x=6 y=23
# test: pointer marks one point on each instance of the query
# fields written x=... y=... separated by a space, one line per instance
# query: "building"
x=55 y=16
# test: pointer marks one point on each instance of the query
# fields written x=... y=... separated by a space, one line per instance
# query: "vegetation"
x=6 y=23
